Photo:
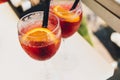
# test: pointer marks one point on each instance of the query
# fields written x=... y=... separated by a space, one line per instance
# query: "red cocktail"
x=2 y=1
x=38 y=42
x=69 y=19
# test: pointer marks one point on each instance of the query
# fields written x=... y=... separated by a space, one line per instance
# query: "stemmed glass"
x=70 y=19
x=38 y=42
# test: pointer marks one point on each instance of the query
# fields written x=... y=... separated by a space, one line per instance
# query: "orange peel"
x=39 y=35
x=65 y=14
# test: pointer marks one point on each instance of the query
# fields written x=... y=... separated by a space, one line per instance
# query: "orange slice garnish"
x=65 y=14
x=39 y=35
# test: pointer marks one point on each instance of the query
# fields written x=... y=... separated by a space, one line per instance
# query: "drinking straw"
x=46 y=13
x=75 y=4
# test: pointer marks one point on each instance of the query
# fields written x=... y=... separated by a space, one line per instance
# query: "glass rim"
x=29 y=14
x=77 y=8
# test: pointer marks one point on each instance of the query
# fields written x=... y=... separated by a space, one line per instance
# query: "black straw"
x=75 y=4
x=46 y=13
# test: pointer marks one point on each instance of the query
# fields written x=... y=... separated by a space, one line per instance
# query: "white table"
x=82 y=63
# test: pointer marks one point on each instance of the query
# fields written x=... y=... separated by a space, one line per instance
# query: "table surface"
x=75 y=60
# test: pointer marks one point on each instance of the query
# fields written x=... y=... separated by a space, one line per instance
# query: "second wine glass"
x=70 y=22
x=69 y=19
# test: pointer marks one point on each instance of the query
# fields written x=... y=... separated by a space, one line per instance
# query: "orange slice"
x=67 y=15
x=39 y=35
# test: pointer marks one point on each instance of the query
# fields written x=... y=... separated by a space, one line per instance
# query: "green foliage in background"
x=83 y=31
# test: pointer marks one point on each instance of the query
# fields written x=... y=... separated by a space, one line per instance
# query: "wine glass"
x=70 y=19
x=38 y=42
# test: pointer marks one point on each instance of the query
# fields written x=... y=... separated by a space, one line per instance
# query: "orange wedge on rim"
x=65 y=14
x=39 y=35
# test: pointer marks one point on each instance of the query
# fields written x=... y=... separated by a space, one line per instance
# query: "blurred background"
x=98 y=33
x=102 y=37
